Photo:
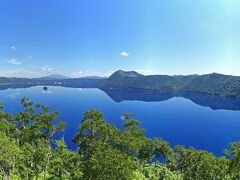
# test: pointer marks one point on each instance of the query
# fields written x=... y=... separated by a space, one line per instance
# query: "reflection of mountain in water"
x=14 y=86
x=146 y=96
x=214 y=102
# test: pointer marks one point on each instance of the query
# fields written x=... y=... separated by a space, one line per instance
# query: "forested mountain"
x=215 y=84
x=133 y=80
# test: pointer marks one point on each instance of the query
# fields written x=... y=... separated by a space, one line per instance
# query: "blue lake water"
x=204 y=122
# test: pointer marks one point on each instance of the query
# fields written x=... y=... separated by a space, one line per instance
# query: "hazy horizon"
x=82 y=38
x=108 y=75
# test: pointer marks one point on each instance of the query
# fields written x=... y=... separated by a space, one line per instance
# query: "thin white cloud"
x=46 y=68
x=107 y=74
x=13 y=48
x=124 y=53
x=81 y=73
x=14 y=61
x=145 y=71
x=33 y=73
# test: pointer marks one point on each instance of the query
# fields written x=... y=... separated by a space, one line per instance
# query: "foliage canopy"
x=28 y=150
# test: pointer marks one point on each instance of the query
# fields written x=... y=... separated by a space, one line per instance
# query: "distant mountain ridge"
x=214 y=84
x=52 y=80
x=59 y=77
x=55 y=76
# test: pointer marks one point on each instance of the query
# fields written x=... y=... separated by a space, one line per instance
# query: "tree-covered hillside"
x=214 y=84
x=134 y=81
x=28 y=150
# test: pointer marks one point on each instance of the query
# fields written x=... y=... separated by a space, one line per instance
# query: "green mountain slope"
x=133 y=80
x=215 y=84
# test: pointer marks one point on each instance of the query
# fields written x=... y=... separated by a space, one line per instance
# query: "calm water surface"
x=176 y=119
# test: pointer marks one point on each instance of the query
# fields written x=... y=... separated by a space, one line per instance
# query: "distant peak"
x=55 y=76
x=216 y=75
x=126 y=73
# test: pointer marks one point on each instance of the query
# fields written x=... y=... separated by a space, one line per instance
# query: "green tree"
x=28 y=150
x=200 y=165
x=144 y=149
x=34 y=129
x=156 y=171
x=109 y=152
x=104 y=163
x=99 y=149
x=9 y=156
x=233 y=154
x=64 y=163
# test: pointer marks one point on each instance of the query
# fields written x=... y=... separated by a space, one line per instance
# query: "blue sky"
x=97 y=37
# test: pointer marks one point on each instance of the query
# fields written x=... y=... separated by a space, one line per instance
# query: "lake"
x=202 y=121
